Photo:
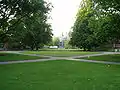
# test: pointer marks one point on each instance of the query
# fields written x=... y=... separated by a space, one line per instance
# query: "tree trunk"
x=32 y=47
x=6 y=46
x=84 y=49
x=37 y=48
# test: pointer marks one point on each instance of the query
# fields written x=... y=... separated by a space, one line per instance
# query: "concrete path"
x=51 y=58
x=93 y=61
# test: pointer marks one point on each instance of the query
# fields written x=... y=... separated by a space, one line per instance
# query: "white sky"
x=63 y=15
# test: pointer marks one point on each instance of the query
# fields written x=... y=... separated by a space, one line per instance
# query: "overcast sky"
x=63 y=15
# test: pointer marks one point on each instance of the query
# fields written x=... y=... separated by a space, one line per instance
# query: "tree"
x=111 y=6
x=33 y=33
x=38 y=30
x=97 y=23
x=109 y=11
x=82 y=33
x=16 y=12
x=56 y=41
x=25 y=19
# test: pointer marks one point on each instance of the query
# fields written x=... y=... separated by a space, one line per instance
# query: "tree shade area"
x=23 y=23
x=97 y=24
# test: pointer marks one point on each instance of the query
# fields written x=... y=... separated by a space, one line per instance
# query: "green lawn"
x=13 y=57
x=60 y=53
x=59 y=75
x=111 y=57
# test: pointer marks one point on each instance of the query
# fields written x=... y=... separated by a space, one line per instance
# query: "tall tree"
x=26 y=16
x=97 y=23
x=82 y=34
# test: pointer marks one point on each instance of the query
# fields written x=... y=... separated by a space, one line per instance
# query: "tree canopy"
x=25 y=22
x=97 y=23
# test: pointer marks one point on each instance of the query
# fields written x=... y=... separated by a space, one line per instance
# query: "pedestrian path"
x=51 y=58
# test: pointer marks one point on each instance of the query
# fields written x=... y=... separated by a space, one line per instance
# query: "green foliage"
x=111 y=6
x=56 y=41
x=25 y=22
x=82 y=35
x=67 y=44
x=97 y=23
x=13 y=11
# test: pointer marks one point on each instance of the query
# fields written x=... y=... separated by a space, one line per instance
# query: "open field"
x=15 y=57
x=110 y=57
x=60 y=53
x=59 y=75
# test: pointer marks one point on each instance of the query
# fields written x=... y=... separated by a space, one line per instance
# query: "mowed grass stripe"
x=15 y=57
x=110 y=58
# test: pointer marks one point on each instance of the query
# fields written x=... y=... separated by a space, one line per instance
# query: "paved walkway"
x=74 y=58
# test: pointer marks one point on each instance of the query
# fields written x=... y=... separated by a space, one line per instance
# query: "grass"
x=59 y=75
x=110 y=57
x=15 y=57
x=60 y=53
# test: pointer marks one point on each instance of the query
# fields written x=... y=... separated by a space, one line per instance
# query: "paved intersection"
x=51 y=58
